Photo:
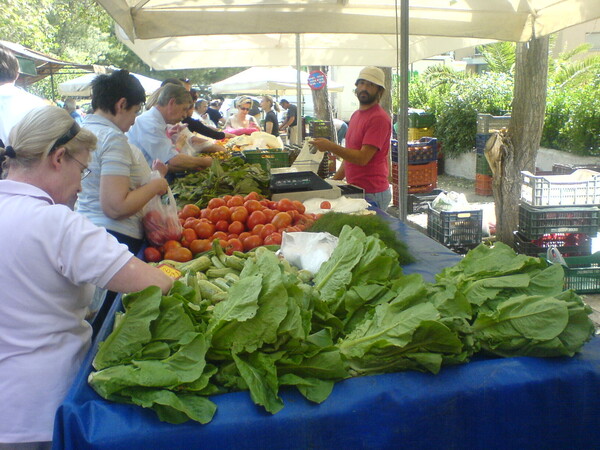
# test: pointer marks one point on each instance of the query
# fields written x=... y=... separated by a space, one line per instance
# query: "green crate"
x=268 y=159
x=420 y=120
x=482 y=167
x=582 y=273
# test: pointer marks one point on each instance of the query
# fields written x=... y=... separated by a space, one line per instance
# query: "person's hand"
x=159 y=185
x=160 y=166
x=322 y=144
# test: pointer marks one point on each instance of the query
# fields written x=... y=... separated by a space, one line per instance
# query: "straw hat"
x=373 y=74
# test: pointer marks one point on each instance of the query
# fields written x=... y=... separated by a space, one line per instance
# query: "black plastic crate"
x=418 y=203
x=321 y=128
x=455 y=229
x=568 y=244
x=535 y=222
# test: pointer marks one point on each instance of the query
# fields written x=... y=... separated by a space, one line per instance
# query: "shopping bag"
x=160 y=220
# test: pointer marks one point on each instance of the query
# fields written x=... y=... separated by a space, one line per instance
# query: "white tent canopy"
x=82 y=86
x=267 y=80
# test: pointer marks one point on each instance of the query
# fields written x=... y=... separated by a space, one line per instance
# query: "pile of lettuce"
x=359 y=315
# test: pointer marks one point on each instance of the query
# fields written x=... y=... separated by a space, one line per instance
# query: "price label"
x=317 y=80
x=170 y=271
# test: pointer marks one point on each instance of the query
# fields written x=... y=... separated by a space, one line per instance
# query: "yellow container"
x=414 y=134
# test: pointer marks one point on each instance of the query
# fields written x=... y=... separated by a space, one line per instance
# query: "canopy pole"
x=300 y=126
x=402 y=134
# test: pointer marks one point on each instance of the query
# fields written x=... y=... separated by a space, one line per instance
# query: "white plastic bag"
x=160 y=220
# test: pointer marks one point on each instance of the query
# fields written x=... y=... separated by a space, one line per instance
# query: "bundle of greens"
x=262 y=324
x=372 y=225
x=232 y=176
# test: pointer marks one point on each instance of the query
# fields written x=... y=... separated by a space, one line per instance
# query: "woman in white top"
x=49 y=254
x=241 y=119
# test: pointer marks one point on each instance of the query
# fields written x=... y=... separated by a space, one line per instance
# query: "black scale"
x=297 y=182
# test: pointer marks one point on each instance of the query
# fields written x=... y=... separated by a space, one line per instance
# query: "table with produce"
x=295 y=329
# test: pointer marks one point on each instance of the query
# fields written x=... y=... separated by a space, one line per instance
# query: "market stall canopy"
x=35 y=66
x=252 y=50
x=81 y=86
x=267 y=80
x=180 y=34
x=507 y=20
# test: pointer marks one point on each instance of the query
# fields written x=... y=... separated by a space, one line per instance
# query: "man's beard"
x=364 y=98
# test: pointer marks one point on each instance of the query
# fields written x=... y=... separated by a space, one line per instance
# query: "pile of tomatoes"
x=241 y=223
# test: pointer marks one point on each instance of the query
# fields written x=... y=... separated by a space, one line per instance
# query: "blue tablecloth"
x=487 y=403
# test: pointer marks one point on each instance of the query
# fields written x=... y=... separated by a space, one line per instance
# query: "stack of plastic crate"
x=420 y=124
x=559 y=211
x=422 y=167
x=324 y=129
x=486 y=125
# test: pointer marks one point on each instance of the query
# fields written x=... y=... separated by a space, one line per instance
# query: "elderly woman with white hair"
x=49 y=254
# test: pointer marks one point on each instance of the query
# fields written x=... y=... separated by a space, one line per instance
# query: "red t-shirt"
x=373 y=127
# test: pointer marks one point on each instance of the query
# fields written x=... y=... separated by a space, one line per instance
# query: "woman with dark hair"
x=271 y=122
x=118 y=188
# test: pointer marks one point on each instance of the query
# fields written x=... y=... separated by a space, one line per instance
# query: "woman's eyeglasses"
x=84 y=170
x=245 y=109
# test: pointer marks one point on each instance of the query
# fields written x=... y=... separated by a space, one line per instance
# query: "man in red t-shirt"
x=365 y=157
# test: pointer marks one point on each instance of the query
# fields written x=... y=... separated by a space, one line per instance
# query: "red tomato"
x=220 y=213
x=226 y=198
x=267 y=230
x=273 y=239
x=285 y=205
x=325 y=205
x=252 y=242
x=236 y=200
x=282 y=220
x=239 y=213
x=298 y=206
x=234 y=245
x=256 y=218
x=190 y=210
x=171 y=245
x=252 y=196
x=222 y=225
x=181 y=221
x=190 y=222
x=216 y=202
x=204 y=213
x=231 y=236
x=257 y=229
x=204 y=230
x=269 y=214
x=200 y=246
x=253 y=205
x=152 y=254
x=244 y=235
x=236 y=227
x=187 y=236
x=181 y=254
x=219 y=235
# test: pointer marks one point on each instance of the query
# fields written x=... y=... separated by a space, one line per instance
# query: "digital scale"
x=304 y=185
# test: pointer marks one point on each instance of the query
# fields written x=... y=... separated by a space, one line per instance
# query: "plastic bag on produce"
x=160 y=220
x=307 y=250
x=184 y=144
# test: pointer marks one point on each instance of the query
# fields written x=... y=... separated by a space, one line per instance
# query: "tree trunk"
x=522 y=141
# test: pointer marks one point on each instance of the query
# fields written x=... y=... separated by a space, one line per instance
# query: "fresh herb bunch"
x=232 y=176
x=333 y=223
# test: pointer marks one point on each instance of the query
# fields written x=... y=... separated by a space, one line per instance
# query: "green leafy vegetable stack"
x=359 y=315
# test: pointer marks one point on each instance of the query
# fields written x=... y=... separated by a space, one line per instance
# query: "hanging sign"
x=317 y=80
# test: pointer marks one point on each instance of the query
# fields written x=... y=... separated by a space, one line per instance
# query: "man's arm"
x=360 y=157
x=182 y=162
